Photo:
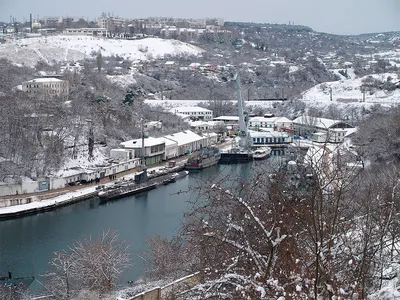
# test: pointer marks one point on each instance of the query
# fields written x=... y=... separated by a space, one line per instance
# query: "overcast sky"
x=332 y=16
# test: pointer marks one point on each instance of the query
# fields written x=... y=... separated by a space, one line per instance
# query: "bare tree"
x=89 y=264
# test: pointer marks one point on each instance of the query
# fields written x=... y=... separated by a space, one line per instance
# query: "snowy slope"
x=74 y=48
x=347 y=91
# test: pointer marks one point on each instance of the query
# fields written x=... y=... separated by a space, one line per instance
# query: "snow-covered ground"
x=65 y=48
x=347 y=91
x=168 y=104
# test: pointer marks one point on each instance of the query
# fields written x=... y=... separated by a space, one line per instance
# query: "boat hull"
x=235 y=158
x=119 y=193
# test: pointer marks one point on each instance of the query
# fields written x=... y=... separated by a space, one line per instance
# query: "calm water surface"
x=27 y=244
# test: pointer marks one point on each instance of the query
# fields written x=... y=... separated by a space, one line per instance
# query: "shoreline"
x=69 y=198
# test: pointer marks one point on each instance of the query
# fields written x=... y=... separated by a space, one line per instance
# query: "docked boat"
x=130 y=188
x=261 y=153
x=208 y=157
x=124 y=190
x=235 y=156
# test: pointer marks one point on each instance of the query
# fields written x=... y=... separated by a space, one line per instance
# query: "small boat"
x=262 y=153
x=180 y=175
x=208 y=157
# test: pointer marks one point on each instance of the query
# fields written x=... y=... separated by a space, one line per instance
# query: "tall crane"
x=244 y=137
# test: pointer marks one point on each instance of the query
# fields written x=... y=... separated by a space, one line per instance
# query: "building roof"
x=184 y=137
x=148 y=142
x=169 y=142
x=316 y=122
x=189 y=109
x=227 y=118
x=45 y=80
x=263 y=134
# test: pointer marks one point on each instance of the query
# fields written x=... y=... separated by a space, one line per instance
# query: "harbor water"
x=27 y=244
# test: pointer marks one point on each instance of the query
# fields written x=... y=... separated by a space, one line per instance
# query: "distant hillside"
x=271 y=26
x=64 y=48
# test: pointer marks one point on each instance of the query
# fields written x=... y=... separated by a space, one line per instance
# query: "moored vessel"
x=208 y=157
x=262 y=153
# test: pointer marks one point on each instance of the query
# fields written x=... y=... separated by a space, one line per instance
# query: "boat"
x=128 y=189
x=180 y=175
x=261 y=153
x=124 y=190
x=235 y=156
x=208 y=157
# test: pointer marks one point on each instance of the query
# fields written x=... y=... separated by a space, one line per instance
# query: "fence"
x=160 y=293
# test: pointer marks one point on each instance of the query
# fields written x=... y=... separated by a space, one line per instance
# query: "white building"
x=154 y=149
x=195 y=112
x=308 y=124
x=270 y=137
x=153 y=125
x=275 y=123
x=122 y=154
x=334 y=130
x=205 y=125
x=86 y=31
x=171 y=149
x=52 y=86
x=232 y=121
x=187 y=141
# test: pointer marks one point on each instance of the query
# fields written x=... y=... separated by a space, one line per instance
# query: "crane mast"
x=244 y=138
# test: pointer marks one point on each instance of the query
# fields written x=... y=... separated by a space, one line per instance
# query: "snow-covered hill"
x=64 y=48
x=347 y=91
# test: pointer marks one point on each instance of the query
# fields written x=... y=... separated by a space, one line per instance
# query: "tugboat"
x=208 y=157
x=240 y=151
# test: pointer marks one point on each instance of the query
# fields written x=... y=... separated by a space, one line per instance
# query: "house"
x=206 y=125
x=153 y=125
x=195 y=112
x=306 y=125
x=169 y=64
x=261 y=122
x=274 y=123
x=121 y=154
x=187 y=141
x=52 y=86
x=232 y=121
x=154 y=149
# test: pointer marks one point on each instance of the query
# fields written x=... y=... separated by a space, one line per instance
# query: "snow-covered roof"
x=227 y=118
x=169 y=142
x=256 y=134
x=45 y=80
x=283 y=120
x=189 y=109
x=148 y=142
x=119 y=150
x=316 y=122
x=170 y=62
x=184 y=137
x=261 y=119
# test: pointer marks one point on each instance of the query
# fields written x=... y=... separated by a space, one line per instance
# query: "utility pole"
x=143 y=148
